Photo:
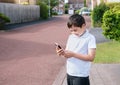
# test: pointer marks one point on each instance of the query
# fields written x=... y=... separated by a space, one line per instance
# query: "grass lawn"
x=108 y=52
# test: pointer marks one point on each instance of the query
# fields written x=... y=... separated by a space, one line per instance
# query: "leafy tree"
x=102 y=1
x=66 y=8
x=85 y=3
x=52 y=3
x=97 y=14
x=43 y=10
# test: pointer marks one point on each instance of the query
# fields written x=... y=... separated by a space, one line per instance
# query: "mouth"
x=76 y=33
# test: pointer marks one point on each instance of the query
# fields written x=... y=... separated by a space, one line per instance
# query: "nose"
x=71 y=29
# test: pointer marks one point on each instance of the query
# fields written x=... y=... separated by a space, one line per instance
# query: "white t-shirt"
x=75 y=66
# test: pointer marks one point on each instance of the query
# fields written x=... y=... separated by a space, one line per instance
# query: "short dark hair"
x=75 y=20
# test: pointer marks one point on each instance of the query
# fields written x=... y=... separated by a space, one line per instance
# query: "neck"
x=82 y=31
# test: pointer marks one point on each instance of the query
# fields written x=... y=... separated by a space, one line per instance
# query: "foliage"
x=3 y=20
x=111 y=23
x=77 y=11
x=101 y=1
x=112 y=5
x=52 y=4
x=66 y=8
x=85 y=3
x=97 y=14
x=25 y=3
x=43 y=10
x=54 y=13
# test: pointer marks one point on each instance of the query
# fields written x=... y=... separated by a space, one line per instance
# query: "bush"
x=112 y=5
x=54 y=13
x=111 y=23
x=3 y=20
x=97 y=14
x=77 y=11
x=43 y=10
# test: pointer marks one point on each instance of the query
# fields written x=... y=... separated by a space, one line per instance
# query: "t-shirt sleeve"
x=92 y=42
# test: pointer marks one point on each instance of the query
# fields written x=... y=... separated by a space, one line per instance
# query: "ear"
x=83 y=25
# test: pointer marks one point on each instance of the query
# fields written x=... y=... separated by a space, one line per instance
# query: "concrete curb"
x=60 y=77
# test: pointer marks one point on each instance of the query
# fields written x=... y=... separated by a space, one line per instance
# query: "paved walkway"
x=101 y=74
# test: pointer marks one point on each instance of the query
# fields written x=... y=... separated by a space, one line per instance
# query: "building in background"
x=31 y=2
x=97 y=2
x=77 y=4
x=59 y=9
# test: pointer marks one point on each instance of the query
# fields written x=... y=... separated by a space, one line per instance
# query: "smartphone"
x=57 y=45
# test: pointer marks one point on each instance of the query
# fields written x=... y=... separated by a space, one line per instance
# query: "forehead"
x=73 y=27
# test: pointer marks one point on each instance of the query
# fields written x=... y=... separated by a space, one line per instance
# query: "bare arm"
x=89 y=57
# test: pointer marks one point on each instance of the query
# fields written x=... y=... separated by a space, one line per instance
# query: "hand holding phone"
x=59 y=49
x=58 y=46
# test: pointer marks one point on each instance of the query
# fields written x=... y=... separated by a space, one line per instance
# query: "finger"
x=57 y=48
x=60 y=52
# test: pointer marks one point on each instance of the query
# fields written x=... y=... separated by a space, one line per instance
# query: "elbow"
x=91 y=59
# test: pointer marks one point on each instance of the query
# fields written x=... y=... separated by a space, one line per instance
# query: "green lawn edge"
x=108 y=52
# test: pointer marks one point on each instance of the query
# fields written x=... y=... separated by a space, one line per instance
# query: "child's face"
x=75 y=30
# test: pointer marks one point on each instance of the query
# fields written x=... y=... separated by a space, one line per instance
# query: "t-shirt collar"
x=82 y=35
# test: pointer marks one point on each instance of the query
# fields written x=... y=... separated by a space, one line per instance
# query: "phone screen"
x=56 y=44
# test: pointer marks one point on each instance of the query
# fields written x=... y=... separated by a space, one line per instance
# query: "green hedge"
x=98 y=11
x=77 y=11
x=43 y=10
x=97 y=14
x=111 y=23
x=54 y=13
x=3 y=20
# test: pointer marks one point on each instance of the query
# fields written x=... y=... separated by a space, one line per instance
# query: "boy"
x=80 y=51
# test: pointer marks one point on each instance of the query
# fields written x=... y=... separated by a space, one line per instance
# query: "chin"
x=74 y=33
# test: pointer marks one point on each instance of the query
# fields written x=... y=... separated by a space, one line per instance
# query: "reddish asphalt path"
x=27 y=54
